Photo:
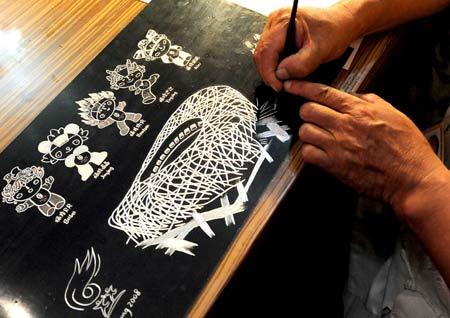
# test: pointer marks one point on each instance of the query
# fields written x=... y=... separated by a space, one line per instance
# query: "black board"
x=39 y=253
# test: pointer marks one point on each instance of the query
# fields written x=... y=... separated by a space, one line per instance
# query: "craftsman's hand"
x=322 y=35
x=366 y=143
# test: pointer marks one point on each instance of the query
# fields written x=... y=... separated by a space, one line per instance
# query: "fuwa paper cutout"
x=67 y=144
x=27 y=188
x=200 y=154
x=158 y=46
x=131 y=75
x=101 y=110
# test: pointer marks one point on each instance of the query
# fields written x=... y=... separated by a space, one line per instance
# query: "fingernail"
x=282 y=74
x=287 y=85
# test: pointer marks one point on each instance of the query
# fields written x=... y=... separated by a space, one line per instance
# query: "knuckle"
x=260 y=48
x=274 y=14
x=371 y=95
x=323 y=92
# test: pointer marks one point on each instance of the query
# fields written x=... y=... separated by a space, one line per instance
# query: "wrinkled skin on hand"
x=365 y=142
x=322 y=35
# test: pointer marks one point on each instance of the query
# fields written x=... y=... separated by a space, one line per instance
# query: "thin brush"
x=290 y=46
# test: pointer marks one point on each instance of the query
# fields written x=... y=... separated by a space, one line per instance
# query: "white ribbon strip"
x=255 y=170
x=242 y=192
x=180 y=232
x=279 y=132
x=173 y=244
x=268 y=133
x=203 y=224
x=265 y=153
x=265 y=121
x=224 y=202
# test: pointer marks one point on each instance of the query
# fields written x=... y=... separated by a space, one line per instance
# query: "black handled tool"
x=290 y=46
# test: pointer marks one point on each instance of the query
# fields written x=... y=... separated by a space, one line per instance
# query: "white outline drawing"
x=200 y=154
x=67 y=144
x=131 y=75
x=81 y=292
x=101 y=110
x=158 y=46
x=27 y=188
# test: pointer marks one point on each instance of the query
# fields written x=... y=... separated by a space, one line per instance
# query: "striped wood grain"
x=58 y=39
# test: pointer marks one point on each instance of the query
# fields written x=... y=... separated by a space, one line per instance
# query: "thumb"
x=298 y=65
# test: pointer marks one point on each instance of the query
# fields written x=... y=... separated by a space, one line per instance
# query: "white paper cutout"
x=65 y=215
x=100 y=110
x=251 y=45
x=131 y=75
x=82 y=292
x=158 y=46
x=278 y=131
x=266 y=154
x=139 y=129
x=267 y=117
x=168 y=96
x=27 y=188
x=225 y=202
x=103 y=171
x=242 y=192
x=199 y=155
x=67 y=144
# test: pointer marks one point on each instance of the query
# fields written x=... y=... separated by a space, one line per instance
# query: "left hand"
x=365 y=142
x=322 y=35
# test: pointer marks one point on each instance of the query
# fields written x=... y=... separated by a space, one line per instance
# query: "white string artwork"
x=200 y=154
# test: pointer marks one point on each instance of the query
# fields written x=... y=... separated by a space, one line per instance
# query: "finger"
x=299 y=65
x=371 y=98
x=302 y=63
x=322 y=94
x=316 y=136
x=267 y=55
x=315 y=156
x=320 y=115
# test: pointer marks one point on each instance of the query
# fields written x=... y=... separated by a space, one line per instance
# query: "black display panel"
x=123 y=195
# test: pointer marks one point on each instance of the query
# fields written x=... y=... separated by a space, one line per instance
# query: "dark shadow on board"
x=299 y=262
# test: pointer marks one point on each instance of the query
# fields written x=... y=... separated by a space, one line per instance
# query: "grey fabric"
x=391 y=275
x=356 y=308
x=404 y=283
x=411 y=304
